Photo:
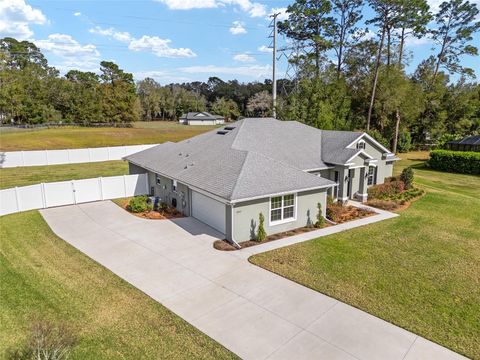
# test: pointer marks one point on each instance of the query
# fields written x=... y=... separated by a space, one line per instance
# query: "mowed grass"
x=83 y=137
x=420 y=271
x=41 y=276
x=22 y=176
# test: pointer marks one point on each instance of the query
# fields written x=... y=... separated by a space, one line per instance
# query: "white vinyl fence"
x=45 y=195
x=68 y=156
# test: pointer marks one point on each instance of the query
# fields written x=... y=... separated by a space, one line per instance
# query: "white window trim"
x=373 y=175
x=361 y=141
x=158 y=179
x=283 y=221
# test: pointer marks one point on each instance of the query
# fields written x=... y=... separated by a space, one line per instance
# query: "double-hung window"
x=371 y=175
x=282 y=208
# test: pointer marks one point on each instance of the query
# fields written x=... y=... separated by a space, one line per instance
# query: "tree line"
x=345 y=80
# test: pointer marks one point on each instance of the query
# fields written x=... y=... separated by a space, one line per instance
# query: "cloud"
x=16 y=17
x=122 y=36
x=69 y=52
x=251 y=71
x=160 y=47
x=264 y=49
x=78 y=13
x=254 y=9
x=246 y=58
x=238 y=28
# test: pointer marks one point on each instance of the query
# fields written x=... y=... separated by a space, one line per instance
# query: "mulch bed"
x=169 y=213
x=341 y=214
x=394 y=205
x=223 y=245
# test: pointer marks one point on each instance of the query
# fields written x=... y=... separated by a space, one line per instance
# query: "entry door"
x=209 y=211
x=351 y=172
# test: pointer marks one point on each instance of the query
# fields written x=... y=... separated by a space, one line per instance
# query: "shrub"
x=386 y=190
x=445 y=138
x=320 y=219
x=261 y=234
x=383 y=204
x=407 y=177
x=463 y=162
x=334 y=212
x=139 y=204
x=404 y=142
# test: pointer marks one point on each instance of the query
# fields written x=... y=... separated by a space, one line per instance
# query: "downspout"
x=237 y=245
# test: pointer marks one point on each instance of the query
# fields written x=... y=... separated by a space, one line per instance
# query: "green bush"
x=139 y=204
x=261 y=234
x=407 y=177
x=377 y=135
x=320 y=219
x=404 y=142
x=463 y=162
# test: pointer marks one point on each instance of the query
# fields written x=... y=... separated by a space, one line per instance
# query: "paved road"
x=252 y=312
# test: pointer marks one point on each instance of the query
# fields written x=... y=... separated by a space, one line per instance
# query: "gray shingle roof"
x=204 y=115
x=259 y=157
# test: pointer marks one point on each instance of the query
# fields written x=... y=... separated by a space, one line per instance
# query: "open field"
x=41 y=276
x=83 y=137
x=420 y=271
x=22 y=176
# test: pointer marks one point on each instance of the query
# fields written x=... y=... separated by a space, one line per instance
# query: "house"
x=470 y=143
x=201 y=118
x=283 y=169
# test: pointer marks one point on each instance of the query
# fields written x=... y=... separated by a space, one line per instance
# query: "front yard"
x=420 y=271
x=43 y=277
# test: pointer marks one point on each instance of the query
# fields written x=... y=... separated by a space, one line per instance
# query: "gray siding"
x=135 y=169
x=245 y=222
x=166 y=192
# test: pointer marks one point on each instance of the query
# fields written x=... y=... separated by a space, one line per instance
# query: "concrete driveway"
x=254 y=313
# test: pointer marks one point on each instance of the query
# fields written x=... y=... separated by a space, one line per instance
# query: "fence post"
x=73 y=192
x=23 y=158
x=46 y=157
x=68 y=156
x=108 y=152
x=100 y=184
x=44 y=196
x=125 y=185
x=17 y=200
x=89 y=155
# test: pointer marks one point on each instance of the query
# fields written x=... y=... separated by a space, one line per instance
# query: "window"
x=361 y=144
x=174 y=185
x=282 y=208
x=371 y=175
x=157 y=179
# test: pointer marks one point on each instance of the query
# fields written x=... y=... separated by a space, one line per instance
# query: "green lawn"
x=420 y=271
x=83 y=137
x=21 y=176
x=41 y=276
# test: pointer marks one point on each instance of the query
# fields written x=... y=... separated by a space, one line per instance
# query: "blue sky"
x=169 y=40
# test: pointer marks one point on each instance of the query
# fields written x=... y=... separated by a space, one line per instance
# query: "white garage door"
x=209 y=211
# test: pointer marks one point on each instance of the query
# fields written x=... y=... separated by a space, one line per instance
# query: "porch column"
x=362 y=194
x=342 y=184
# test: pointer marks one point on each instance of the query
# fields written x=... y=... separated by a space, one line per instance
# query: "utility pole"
x=274 y=64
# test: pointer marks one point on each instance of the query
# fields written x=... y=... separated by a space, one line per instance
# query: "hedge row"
x=463 y=162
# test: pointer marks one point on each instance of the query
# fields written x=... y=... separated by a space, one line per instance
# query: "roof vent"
x=222 y=132
x=229 y=127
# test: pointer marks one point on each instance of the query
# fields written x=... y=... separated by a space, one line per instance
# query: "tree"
x=320 y=219
x=261 y=233
x=455 y=26
x=148 y=91
x=308 y=23
x=227 y=108
x=343 y=28
x=407 y=177
x=260 y=104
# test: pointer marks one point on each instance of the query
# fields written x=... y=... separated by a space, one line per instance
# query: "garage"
x=208 y=211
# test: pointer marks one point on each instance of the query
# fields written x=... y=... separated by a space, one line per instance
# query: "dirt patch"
x=223 y=245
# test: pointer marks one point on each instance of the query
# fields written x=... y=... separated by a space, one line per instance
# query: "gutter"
x=237 y=245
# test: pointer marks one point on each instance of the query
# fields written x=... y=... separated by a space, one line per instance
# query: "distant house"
x=470 y=143
x=282 y=169
x=201 y=118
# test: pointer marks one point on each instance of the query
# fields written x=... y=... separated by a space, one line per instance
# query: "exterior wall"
x=135 y=169
x=166 y=192
x=245 y=221
x=201 y=122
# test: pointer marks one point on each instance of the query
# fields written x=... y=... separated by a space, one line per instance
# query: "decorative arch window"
x=361 y=144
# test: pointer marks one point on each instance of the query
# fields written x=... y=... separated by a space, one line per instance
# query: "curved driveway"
x=254 y=313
